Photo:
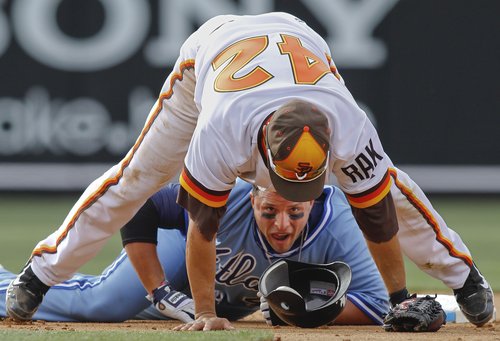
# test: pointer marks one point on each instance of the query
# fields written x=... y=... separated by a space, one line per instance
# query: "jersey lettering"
x=238 y=270
x=240 y=54
x=372 y=153
x=353 y=172
x=306 y=67
x=364 y=164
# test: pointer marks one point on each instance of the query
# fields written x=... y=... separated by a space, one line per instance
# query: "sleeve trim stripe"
x=373 y=197
x=365 y=307
x=431 y=220
x=201 y=195
x=107 y=183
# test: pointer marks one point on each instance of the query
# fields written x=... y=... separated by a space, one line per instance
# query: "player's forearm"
x=380 y=226
x=389 y=260
x=200 y=263
x=144 y=258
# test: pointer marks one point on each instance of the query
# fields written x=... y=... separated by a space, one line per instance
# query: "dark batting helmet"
x=303 y=294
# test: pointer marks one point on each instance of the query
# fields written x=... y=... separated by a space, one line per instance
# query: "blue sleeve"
x=172 y=215
x=367 y=290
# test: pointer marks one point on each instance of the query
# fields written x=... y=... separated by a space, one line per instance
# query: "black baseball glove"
x=415 y=314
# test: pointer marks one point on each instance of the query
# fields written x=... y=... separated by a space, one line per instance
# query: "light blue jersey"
x=242 y=255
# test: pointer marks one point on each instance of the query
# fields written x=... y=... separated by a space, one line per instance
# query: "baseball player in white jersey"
x=322 y=232
x=260 y=98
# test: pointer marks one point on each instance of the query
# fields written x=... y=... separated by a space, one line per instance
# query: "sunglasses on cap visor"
x=293 y=176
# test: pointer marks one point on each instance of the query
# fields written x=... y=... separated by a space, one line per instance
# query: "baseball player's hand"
x=173 y=304
x=206 y=322
x=271 y=318
x=264 y=309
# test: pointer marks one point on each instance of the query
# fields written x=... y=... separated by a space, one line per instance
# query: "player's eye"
x=296 y=216
x=268 y=215
x=269 y=212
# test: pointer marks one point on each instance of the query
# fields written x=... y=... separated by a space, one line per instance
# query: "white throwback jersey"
x=244 y=71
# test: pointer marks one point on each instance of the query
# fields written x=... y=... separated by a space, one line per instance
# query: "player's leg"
x=438 y=250
x=88 y=298
x=115 y=295
x=5 y=278
x=111 y=200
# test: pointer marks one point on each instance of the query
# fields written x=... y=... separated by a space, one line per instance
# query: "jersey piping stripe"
x=431 y=220
x=367 y=199
x=178 y=76
x=191 y=186
x=333 y=69
x=373 y=313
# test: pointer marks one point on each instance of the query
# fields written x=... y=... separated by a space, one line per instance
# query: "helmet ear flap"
x=304 y=294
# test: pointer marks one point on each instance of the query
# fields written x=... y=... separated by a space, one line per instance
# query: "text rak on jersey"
x=364 y=164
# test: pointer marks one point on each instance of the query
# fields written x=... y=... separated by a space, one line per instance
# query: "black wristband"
x=398 y=296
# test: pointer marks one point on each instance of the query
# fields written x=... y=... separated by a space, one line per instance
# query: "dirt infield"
x=456 y=332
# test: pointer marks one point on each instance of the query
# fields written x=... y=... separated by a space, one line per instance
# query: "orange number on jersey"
x=307 y=67
x=241 y=53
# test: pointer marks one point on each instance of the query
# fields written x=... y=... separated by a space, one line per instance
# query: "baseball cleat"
x=24 y=295
x=475 y=299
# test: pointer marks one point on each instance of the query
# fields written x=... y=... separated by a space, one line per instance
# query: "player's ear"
x=252 y=198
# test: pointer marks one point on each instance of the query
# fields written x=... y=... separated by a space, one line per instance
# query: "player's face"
x=279 y=220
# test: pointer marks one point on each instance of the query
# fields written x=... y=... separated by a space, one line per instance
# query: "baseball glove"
x=415 y=314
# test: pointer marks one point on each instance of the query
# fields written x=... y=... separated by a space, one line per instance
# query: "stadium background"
x=77 y=79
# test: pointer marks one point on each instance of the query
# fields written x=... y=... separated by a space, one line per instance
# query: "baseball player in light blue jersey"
x=245 y=248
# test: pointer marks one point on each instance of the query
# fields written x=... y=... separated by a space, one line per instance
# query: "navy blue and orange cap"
x=297 y=140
